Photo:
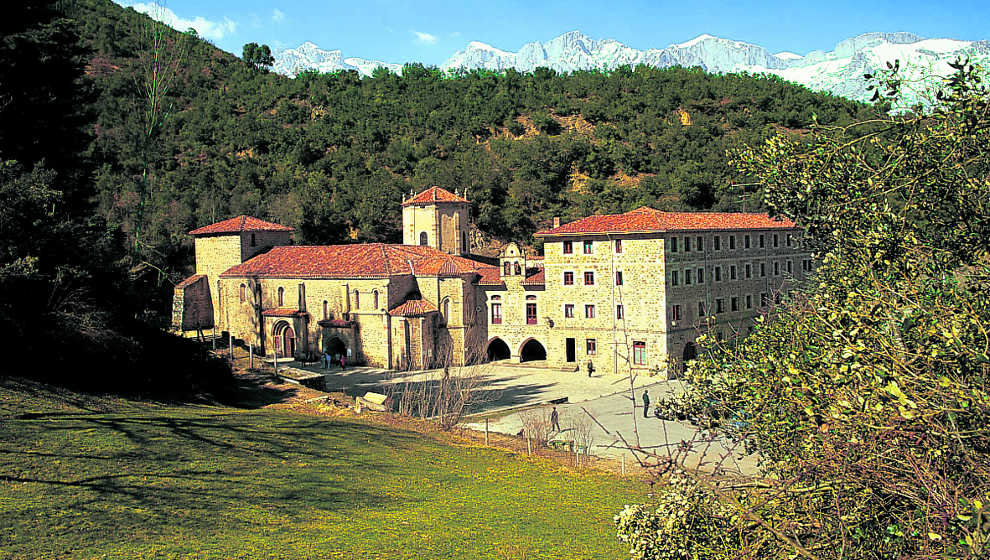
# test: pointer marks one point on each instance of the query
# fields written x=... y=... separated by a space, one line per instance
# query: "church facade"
x=625 y=292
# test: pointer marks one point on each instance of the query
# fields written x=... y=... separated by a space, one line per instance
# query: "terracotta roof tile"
x=648 y=220
x=536 y=279
x=190 y=281
x=367 y=260
x=434 y=194
x=490 y=276
x=413 y=308
x=239 y=224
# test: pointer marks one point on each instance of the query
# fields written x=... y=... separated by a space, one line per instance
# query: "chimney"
x=556 y=221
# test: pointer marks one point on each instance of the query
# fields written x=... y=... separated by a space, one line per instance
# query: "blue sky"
x=429 y=32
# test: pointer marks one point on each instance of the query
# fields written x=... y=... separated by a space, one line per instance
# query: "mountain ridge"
x=839 y=71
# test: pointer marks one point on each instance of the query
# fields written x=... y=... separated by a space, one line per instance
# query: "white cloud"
x=425 y=37
x=208 y=29
x=277 y=15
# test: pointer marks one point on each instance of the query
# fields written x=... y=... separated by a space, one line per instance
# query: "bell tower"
x=437 y=218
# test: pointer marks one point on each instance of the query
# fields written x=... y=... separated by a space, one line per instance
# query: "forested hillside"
x=333 y=154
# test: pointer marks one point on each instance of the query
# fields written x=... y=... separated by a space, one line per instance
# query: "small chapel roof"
x=433 y=195
x=413 y=308
x=239 y=224
x=648 y=220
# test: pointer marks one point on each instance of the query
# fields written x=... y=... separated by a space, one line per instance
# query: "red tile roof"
x=190 y=281
x=367 y=260
x=239 y=224
x=282 y=312
x=490 y=276
x=536 y=279
x=434 y=194
x=648 y=220
x=413 y=308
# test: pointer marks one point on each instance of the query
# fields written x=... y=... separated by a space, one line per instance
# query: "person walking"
x=326 y=360
x=343 y=361
x=554 y=420
x=646 y=403
x=591 y=368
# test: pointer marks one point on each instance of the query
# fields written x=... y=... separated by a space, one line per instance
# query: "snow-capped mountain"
x=308 y=56
x=839 y=71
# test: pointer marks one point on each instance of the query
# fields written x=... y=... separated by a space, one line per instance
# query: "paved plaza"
x=505 y=391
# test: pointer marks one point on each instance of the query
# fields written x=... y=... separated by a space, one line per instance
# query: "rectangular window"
x=763 y=270
x=790 y=240
x=732 y=242
x=732 y=272
x=639 y=353
x=589 y=278
x=720 y=305
x=701 y=309
x=776 y=241
x=496 y=313
x=568 y=310
x=699 y=243
x=687 y=277
x=717 y=240
x=589 y=311
x=530 y=313
x=673 y=244
x=746 y=243
x=618 y=277
x=749 y=270
x=568 y=278
x=674 y=278
x=618 y=245
x=591 y=346
x=243 y=292
x=357 y=299
x=776 y=268
x=701 y=275
x=587 y=247
x=734 y=304
x=687 y=244
x=568 y=247
x=618 y=312
x=790 y=266
x=675 y=313
x=762 y=241
x=718 y=273
x=749 y=301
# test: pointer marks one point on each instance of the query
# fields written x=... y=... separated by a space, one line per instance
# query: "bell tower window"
x=423 y=240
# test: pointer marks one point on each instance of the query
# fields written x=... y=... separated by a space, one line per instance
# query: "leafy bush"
x=867 y=395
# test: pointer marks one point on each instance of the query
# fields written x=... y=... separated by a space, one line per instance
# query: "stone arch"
x=532 y=350
x=497 y=350
x=690 y=352
x=284 y=338
x=334 y=346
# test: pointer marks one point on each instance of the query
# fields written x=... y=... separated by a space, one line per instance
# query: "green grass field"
x=92 y=478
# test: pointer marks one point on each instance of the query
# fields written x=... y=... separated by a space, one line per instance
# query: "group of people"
x=329 y=361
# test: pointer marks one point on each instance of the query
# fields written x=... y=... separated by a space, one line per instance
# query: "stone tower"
x=437 y=218
x=220 y=246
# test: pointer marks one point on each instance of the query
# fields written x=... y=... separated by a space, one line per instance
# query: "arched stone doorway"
x=285 y=340
x=498 y=350
x=532 y=350
x=690 y=352
x=335 y=346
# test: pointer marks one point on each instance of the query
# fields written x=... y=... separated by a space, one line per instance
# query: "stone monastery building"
x=627 y=292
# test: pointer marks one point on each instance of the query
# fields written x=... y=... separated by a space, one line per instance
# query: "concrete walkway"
x=500 y=387
x=619 y=429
